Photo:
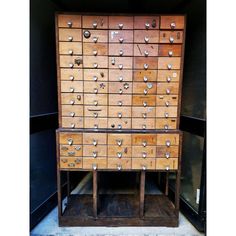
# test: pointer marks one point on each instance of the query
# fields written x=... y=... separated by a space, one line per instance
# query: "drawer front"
x=150 y=50
x=168 y=88
x=70 y=48
x=141 y=36
x=95 y=87
x=94 y=163
x=120 y=36
x=146 y=22
x=145 y=63
x=167 y=139
x=171 y=36
x=141 y=163
x=166 y=112
x=72 y=86
x=172 y=22
x=95 y=49
x=120 y=75
x=120 y=87
x=119 y=151
x=167 y=100
x=96 y=75
x=119 y=112
x=70 y=138
x=72 y=110
x=168 y=75
x=69 y=21
x=168 y=50
x=120 y=49
x=166 y=123
x=117 y=123
x=72 y=122
x=169 y=63
x=95 y=123
x=94 y=138
x=145 y=75
x=72 y=98
x=144 y=140
x=95 y=99
x=95 y=36
x=167 y=152
x=120 y=63
x=70 y=35
x=144 y=100
x=120 y=100
x=71 y=74
x=71 y=162
x=71 y=150
x=71 y=61
x=94 y=151
x=95 y=62
x=121 y=22
x=143 y=112
x=143 y=152
x=141 y=123
x=144 y=88
x=119 y=164
x=95 y=111
x=166 y=164
x=95 y=22
x=119 y=139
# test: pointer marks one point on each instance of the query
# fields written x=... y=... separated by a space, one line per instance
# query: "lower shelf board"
x=119 y=210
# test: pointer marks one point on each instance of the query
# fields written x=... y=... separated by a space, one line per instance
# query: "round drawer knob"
x=70 y=38
x=144 y=115
x=77 y=148
x=144 y=167
x=170 y=53
x=95 y=154
x=120 y=91
x=95 y=102
x=95 y=90
x=72 y=90
x=145 y=66
x=119 y=126
x=95 y=24
x=79 y=97
x=146 y=53
x=113 y=62
x=168 y=79
x=119 y=114
x=120 y=66
x=144 y=126
x=145 y=91
x=95 y=39
x=119 y=142
x=95 y=115
x=167 y=155
x=167 y=167
x=167 y=103
x=144 y=104
x=168 y=143
x=72 y=102
x=171 y=39
x=121 y=52
x=166 y=127
x=95 y=126
x=166 y=114
x=119 y=154
x=167 y=91
x=147 y=25
x=120 y=78
x=144 y=143
x=119 y=167
x=95 y=52
x=172 y=25
x=145 y=79
x=87 y=34
x=71 y=65
x=95 y=65
x=120 y=103
x=95 y=78
x=169 y=66
x=95 y=142
x=120 y=26
x=70 y=141
x=72 y=126
x=146 y=39
x=144 y=154
x=121 y=40
x=71 y=78
x=72 y=114
x=70 y=52
x=94 y=166
x=69 y=23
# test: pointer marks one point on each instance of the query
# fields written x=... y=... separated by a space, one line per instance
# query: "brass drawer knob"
x=120 y=66
x=72 y=102
x=72 y=114
x=172 y=25
x=119 y=167
x=71 y=77
x=71 y=65
x=146 y=39
x=145 y=66
x=95 y=65
x=120 y=78
x=166 y=114
x=95 y=24
x=171 y=39
x=95 y=52
x=70 y=141
x=69 y=23
x=70 y=52
x=120 y=26
x=146 y=53
x=95 y=39
x=120 y=103
x=121 y=52
x=121 y=40
x=95 y=142
x=95 y=154
x=119 y=142
x=147 y=25
x=94 y=166
x=119 y=114
x=119 y=126
x=70 y=38
x=168 y=143
x=95 y=78
x=72 y=126
x=170 y=53
x=169 y=66
x=119 y=154
x=144 y=143
x=144 y=155
x=145 y=79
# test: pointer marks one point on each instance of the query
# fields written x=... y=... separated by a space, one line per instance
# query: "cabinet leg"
x=95 y=193
x=177 y=190
x=167 y=184
x=59 y=192
x=68 y=184
x=142 y=194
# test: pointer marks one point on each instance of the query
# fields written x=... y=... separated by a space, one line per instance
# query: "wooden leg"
x=95 y=193
x=177 y=190
x=142 y=193
x=167 y=184
x=59 y=192
x=68 y=184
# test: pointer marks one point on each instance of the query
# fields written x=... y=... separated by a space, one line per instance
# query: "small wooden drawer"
x=119 y=151
x=95 y=123
x=70 y=138
x=72 y=122
x=95 y=87
x=146 y=22
x=94 y=151
x=120 y=63
x=72 y=99
x=168 y=75
x=168 y=88
x=145 y=75
x=166 y=123
x=143 y=112
x=71 y=150
x=166 y=164
x=70 y=35
x=95 y=36
x=120 y=36
x=120 y=100
x=95 y=49
x=169 y=50
x=144 y=140
x=148 y=50
x=71 y=74
x=166 y=112
x=171 y=36
x=69 y=21
x=141 y=123
x=71 y=61
x=143 y=164
x=95 y=22
x=121 y=22
x=71 y=162
x=95 y=111
x=119 y=163
x=95 y=62
x=95 y=99
x=167 y=152
x=144 y=100
x=169 y=63
x=119 y=112
x=94 y=163
x=70 y=48
x=72 y=110
x=117 y=123
x=146 y=36
x=172 y=22
x=120 y=75
x=144 y=88
x=72 y=86
x=167 y=100
x=120 y=87
x=96 y=75
x=145 y=63
x=120 y=49
x=119 y=139
x=94 y=138
x=143 y=152
x=167 y=139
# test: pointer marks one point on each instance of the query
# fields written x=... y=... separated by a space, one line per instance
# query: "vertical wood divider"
x=142 y=193
x=95 y=193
